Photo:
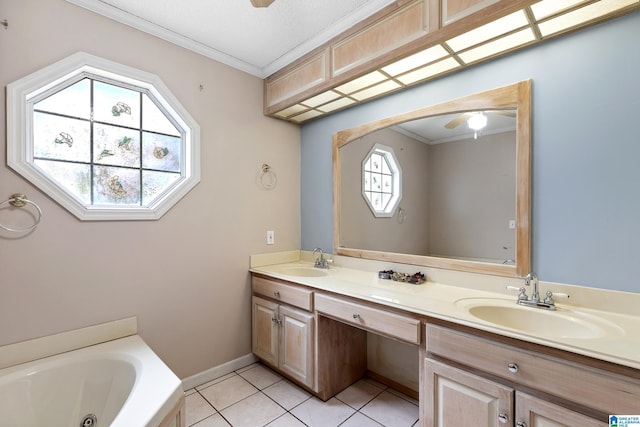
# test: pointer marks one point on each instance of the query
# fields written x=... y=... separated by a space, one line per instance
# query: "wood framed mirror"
x=466 y=193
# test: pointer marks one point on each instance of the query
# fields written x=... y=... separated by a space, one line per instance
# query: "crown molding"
x=148 y=27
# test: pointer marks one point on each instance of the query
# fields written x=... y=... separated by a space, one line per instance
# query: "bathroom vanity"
x=311 y=325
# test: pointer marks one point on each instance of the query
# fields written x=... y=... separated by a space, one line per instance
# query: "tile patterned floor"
x=256 y=396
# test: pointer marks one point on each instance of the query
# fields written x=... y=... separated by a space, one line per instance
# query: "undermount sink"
x=302 y=271
x=561 y=323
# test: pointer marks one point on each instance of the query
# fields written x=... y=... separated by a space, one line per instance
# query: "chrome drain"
x=89 y=420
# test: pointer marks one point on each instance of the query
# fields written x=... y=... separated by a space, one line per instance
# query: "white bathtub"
x=122 y=382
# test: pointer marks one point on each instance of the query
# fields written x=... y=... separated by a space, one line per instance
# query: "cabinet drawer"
x=390 y=324
x=588 y=386
x=288 y=294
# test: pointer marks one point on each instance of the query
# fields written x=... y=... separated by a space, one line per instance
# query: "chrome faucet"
x=531 y=279
x=321 y=262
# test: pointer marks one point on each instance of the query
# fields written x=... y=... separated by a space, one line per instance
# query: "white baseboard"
x=218 y=371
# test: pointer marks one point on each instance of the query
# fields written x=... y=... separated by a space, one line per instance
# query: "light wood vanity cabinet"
x=282 y=334
x=390 y=324
x=318 y=353
x=462 y=370
x=457 y=397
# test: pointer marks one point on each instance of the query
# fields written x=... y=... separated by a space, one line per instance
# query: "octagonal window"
x=106 y=141
x=381 y=181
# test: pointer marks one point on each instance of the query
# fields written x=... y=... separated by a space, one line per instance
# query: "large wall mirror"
x=465 y=185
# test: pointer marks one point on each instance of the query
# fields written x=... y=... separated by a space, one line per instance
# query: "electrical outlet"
x=271 y=237
x=512 y=224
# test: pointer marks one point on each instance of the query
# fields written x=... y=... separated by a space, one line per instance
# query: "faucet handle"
x=549 y=299
x=522 y=295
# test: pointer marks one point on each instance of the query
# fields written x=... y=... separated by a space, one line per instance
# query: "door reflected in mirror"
x=465 y=185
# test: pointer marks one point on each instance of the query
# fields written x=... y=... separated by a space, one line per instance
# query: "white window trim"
x=20 y=140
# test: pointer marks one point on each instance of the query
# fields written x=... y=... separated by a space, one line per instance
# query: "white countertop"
x=615 y=310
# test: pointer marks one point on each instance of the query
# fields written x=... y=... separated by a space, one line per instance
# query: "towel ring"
x=268 y=178
x=20 y=200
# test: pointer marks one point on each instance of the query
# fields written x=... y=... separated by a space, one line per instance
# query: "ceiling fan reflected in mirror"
x=261 y=3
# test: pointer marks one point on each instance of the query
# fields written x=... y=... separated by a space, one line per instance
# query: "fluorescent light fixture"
x=416 y=60
x=429 y=71
x=551 y=7
x=306 y=116
x=335 y=105
x=488 y=31
x=361 y=82
x=498 y=46
x=376 y=90
x=294 y=109
x=323 y=98
x=584 y=14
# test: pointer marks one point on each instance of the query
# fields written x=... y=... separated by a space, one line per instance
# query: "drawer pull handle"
x=503 y=417
x=276 y=320
x=356 y=316
x=276 y=293
x=520 y=423
x=513 y=368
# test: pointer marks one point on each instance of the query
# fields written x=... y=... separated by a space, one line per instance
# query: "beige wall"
x=359 y=228
x=185 y=275
x=474 y=197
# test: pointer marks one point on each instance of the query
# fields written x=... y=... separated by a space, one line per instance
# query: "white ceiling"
x=432 y=130
x=259 y=41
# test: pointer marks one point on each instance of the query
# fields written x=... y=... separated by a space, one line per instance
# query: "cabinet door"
x=534 y=412
x=454 y=397
x=296 y=344
x=264 y=334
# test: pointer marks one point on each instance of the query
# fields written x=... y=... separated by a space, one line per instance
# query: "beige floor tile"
x=227 y=392
x=260 y=376
x=287 y=420
x=391 y=410
x=404 y=396
x=255 y=411
x=197 y=408
x=359 y=420
x=359 y=394
x=375 y=383
x=316 y=413
x=215 y=420
x=286 y=394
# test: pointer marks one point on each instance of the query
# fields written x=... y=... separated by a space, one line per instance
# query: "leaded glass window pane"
x=61 y=138
x=154 y=120
x=113 y=185
x=115 y=145
x=160 y=152
x=155 y=183
x=73 y=101
x=116 y=105
x=74 y=177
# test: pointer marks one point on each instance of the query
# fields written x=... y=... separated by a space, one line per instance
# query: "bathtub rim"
x=157 y=402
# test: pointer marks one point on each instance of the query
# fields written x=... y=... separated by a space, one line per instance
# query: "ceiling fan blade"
x=502 y=112
x=457 y=121
x=261 y=3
